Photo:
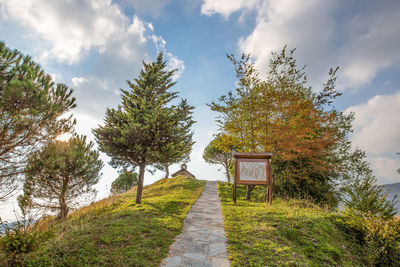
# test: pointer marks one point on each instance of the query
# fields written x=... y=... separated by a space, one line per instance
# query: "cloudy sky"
x=94 y=46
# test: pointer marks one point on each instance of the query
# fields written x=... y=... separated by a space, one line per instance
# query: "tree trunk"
x=63 y=208
x=166 y=171
x=140 y=184
x=228 y=176
x=248 y=191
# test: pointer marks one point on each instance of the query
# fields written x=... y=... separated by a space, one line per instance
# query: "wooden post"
x=266 y=193
x=269 y=173
x=234 y=192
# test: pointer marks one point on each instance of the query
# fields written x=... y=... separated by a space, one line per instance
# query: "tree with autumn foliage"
x=218 y=152
x=282 y=115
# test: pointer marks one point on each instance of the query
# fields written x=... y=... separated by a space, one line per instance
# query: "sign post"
x=253 y=169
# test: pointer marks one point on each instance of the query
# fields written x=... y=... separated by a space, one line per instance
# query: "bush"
x=17 y=241
x=369 y=216
x=379 y=236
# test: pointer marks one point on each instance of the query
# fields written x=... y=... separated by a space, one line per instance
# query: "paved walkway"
x=202 y=241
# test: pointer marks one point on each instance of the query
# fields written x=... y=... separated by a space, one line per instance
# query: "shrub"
x=17 y=241
x=379 y=236
x=368 y=216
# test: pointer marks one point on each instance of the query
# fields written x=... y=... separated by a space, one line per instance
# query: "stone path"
x=202 y=241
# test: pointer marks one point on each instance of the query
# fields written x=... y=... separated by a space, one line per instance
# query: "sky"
x=94 y=46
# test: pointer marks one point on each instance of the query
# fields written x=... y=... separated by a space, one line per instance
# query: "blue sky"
x=95 y=45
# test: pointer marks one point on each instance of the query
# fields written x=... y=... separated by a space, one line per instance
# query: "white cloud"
x=377 y=131
x=385 y=168
x=72 y=28
x=372 y=47
x=225 y=8
x=362 y=40
x=173 y=61
x=377 y=124
x=299 y=24
x=76 y=81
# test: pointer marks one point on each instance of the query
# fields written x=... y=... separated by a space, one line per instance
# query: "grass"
x=118 y=232
x=287 y=233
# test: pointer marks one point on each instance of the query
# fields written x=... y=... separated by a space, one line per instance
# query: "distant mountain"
x=394 y=189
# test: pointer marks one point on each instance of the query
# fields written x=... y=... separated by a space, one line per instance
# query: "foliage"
x=124 y=182
x=216 y=152
x=61 y=174
x=180 y=144
x=287 y=233
x=116 y=232
x=379 y=236
x=369 y=216
x=17 y=240
x=365 y=196
x=146 y=125
x=31 y=113
x=282 y=115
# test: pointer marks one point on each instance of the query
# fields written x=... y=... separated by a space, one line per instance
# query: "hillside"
x=288 y=233
x=117 y=232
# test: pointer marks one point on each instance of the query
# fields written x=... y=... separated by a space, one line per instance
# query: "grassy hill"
x=288 y=233
x=117 y=232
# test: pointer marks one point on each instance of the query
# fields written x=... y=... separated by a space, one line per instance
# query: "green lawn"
x=117 y=232
x=288 y=233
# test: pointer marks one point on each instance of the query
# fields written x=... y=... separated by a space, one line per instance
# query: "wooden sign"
x=253 y=169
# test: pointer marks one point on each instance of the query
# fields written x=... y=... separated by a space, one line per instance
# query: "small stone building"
x=183 y=171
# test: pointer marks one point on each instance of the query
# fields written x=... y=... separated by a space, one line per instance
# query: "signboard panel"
x=253 y=171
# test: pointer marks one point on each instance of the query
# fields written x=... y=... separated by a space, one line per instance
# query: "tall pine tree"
x=32 y=109
x=137 y=133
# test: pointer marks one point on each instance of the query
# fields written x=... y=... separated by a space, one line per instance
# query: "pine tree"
x=363 y=194
x=61 y=173
x=180 y=142
x=31 y=107
x=146 y=123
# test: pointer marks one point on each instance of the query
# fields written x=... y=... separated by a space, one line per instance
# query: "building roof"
x=183 y=171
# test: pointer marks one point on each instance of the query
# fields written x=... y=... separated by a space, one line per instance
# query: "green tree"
x=31 y=114
x=135 y=134
x=180 y=141
x=363 y=194
x=216 y=153
x=61 y=174
x=124 y=182
x=282 y=115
